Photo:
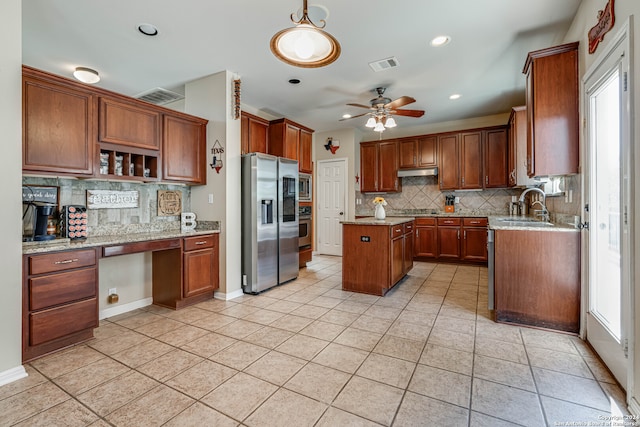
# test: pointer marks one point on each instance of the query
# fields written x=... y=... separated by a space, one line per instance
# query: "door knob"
x=341 y=213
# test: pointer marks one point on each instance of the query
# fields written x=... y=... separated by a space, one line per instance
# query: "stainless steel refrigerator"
x=269 y=221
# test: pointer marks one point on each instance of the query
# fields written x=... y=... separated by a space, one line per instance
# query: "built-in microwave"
x=304 y=187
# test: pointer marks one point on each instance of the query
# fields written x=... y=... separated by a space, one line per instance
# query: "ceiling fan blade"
x=410 y=113
x=368 y=107
x=400 y=102
x=353 y=117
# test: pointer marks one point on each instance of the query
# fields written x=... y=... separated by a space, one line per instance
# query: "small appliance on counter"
x=449 y=203
x=73 y=222
x=36 y=223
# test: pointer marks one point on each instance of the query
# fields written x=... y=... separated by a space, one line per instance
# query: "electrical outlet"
x=210 y=198
x=457 y=200
x=113 y=291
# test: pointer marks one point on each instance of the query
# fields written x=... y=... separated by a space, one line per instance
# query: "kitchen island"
x=376 y=254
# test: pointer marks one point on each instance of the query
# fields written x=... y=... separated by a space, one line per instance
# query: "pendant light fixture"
x=306 y=45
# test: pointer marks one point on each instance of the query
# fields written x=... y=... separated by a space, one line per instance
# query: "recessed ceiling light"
x=86 y=75
x=294 y=81
x=440 y=41
x=455 y=96
x=148 y=29
x=346 y=116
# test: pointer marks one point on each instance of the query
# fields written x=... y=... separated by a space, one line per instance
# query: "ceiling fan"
x=382 y=110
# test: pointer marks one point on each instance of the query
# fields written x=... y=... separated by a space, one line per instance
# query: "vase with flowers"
x=380 y=203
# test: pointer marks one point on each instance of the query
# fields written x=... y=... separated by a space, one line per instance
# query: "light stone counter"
x=390 y=220
x=115 y=239
x=525 y=223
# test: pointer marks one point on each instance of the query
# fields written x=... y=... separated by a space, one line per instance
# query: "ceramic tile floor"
x=309 y=354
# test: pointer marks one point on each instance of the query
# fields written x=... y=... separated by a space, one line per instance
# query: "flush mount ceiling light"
x=440 y=41
x=455 y=96
x=86 y=75
x=306 y=45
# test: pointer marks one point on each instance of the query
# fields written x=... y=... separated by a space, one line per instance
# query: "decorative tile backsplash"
x=102 y=222
x=421 y=194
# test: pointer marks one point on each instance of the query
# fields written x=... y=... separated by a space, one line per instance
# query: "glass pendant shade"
x=390 y=123
x=379 y=127
x=371 y=122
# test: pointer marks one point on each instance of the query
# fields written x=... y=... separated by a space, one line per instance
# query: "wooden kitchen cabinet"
x=198 y=278
x=537 y=278
x=58 y=125
x=379 y=167
x=254 y=132
x=373 y=256
x=128 y=123
x=552 y=111
x=284 y=138
x=184 y=157
x=419 y=152
x=474 y=239
x=426 y=238
x=449 y=238
x=496 y=160
x=471 y=160
x=304 y=152
x=518 y=175
x=59 y=300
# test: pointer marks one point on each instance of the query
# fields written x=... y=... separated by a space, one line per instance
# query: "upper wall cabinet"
x=420 y=152
x=73 y=129
x=518 y=148
x=57 y=125
x=184 y=149
x=552 y=111
x=287 y=139
x=253 y=134
x=128 y=124
x=379 y=167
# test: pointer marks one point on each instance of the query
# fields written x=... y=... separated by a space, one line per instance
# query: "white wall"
x=583 y=21
x=10 y=170
x=211 y=98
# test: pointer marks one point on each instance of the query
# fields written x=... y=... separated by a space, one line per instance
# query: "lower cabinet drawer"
x=57 y=289
x=58 y=261
x=199 y=242
x=48 y=325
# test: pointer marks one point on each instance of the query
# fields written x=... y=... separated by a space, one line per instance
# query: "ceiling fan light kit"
x=306 y=45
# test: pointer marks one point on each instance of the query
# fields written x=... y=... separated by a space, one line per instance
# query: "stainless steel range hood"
x=418 y=172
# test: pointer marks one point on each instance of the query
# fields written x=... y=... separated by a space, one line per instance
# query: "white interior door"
x=608 y=324
x=331 y=203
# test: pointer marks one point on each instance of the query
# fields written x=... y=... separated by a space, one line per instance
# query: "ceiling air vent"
x=159 y=96
x=384 y=64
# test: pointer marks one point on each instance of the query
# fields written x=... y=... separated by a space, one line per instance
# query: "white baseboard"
x=12 y=375
x=124 y=308
x=634 y=407
x=226 y=297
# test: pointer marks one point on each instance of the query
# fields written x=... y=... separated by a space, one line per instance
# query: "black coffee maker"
x=35 y=221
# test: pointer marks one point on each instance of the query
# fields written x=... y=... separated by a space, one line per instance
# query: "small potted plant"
x=379 y=203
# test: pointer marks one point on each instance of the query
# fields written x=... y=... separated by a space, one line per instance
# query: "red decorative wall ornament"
x=332 y=145
x=606 y=19
x=357 y=179
x=217 y=150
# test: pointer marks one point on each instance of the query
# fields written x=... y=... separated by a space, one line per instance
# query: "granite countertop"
x=528 y=223
x=427 y=213
x=114 y=239
x=390 y=220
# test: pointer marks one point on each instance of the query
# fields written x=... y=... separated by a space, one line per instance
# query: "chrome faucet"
x=543 y=212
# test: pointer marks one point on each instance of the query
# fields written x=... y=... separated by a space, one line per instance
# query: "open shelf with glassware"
x=120 y=162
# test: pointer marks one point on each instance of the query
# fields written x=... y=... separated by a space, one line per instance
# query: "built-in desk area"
x=60 y=281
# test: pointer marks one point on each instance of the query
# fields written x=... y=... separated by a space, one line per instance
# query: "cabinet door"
x=471 y=160
x=291 y=142
x=512 y=150
x=388 y=167
x=449 y=242
x=407 y=154
x=257 y=136
x=495 y=159
x=407 y=252
x=426 y=242
x=397 y=259
x=448 y=165
x=127 y=124
x=474 y=244
x=368 y=167
x=184 y=151
x=198 y=272
x=428 y=152
x=304 y=152
x=57 y=128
